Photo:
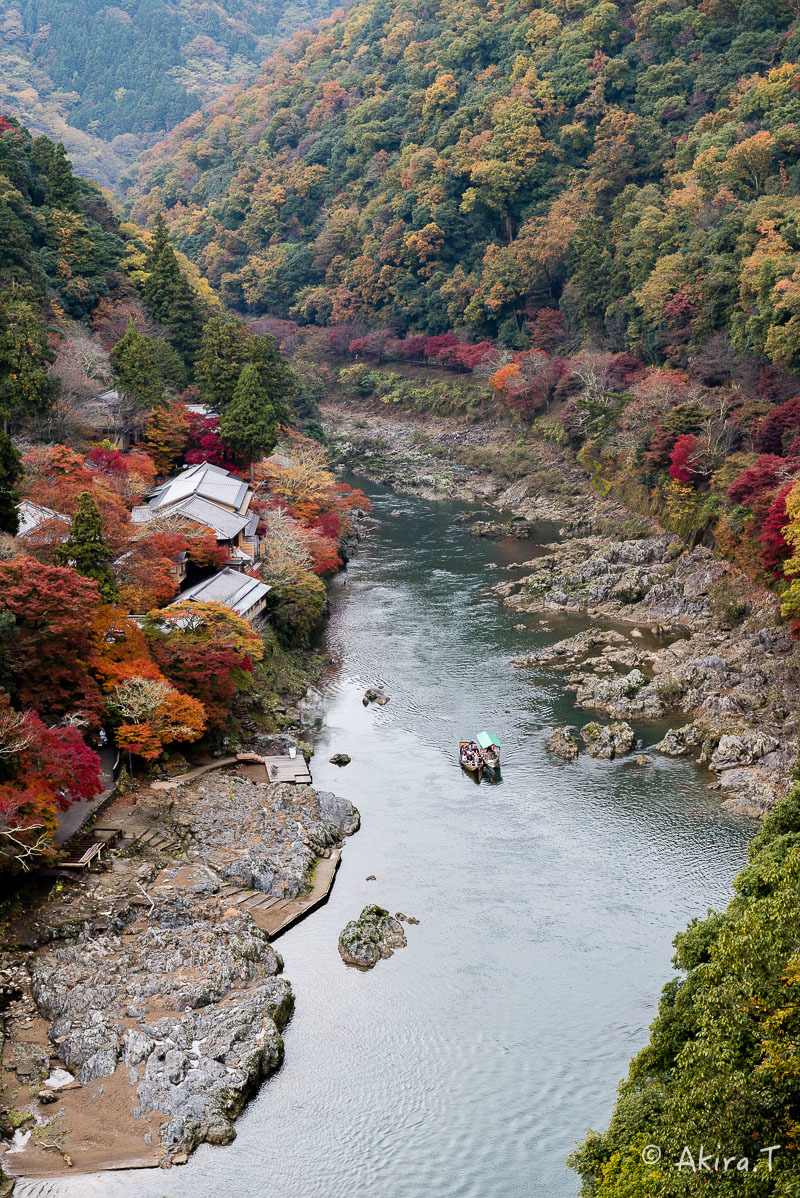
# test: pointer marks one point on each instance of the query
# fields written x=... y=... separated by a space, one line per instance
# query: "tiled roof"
x=31 y=515
x=226 y=524
x=205 y=481
x=236 y=590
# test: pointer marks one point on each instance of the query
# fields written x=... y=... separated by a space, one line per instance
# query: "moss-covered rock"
x=375 y=934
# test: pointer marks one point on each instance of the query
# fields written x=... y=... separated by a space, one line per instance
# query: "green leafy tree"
x=135 y=362
x=63 y=187
x=10 y=473
x=86 y=551
x=249 y=422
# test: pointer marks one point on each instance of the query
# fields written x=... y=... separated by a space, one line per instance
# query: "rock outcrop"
x=563 y=744
x=189 y=1004
x=735 y=678
x=608 y=740
x=154 y=979
x=679 y=741
x=373 y=936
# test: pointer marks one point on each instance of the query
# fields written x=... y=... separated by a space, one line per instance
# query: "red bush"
x=682 y=469
x=439 y=345
x=770 y=433
x=775 y=550
x=764 y=475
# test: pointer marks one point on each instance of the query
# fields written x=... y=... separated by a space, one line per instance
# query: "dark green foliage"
x=135 y=361
x=169 y=296
x=10 y=473
x=59 y=238
x=224 y=352
x=248 y=421
x=86 y=550
x=26 y=388
x=62 y=185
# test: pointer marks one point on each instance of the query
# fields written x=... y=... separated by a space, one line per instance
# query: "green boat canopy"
x=485 y=739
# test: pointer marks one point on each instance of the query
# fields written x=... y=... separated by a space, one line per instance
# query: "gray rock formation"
x=371 y=937
x=608 y=740
x=680 y=741
x=217 y=977
x=562 y=742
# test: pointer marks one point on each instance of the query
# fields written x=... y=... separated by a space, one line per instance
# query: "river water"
x=471 y=1062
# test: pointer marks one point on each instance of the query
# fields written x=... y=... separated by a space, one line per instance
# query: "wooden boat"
x=489 y=748
x=470 y=758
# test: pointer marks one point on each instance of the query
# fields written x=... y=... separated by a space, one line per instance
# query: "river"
x=471 y=1062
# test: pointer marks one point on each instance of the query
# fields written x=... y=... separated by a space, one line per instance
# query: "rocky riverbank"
x=151 y=982
x=448 y=459
x=719 y=659
x=705 y=648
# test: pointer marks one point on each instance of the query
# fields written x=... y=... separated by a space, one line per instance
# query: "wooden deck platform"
x=287 y=769
x=275 y=769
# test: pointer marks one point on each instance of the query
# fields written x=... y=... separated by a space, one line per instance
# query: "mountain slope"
x=459 y=163
x=106 y=78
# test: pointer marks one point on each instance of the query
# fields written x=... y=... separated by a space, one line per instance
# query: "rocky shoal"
x=716 y=656
x=152 y=986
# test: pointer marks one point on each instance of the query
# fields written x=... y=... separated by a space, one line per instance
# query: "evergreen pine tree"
x=275 y=375
x=159 y=239
x=26 y=388
x=63 y=187
x=161 y=283
x=224 y=352
x=86 y=550
x=248 y=422
x=10 y=473
x=185 y=319
x=134 y=361
x=170 y=297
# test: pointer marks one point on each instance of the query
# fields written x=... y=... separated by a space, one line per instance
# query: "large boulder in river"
x=562 y=742
x=679 y=741
x=375 y=934
x=608 y=740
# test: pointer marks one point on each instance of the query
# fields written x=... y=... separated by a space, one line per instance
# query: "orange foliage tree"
x=151 y=714
x=304 y=485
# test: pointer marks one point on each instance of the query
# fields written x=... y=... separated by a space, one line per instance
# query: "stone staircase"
x=254 y=900
x=156 y=839
x=275 y=915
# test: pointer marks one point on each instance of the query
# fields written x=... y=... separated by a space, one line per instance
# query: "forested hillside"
x=106 y=79
x=430 y=165
x=592 y=206
x=116 y=367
